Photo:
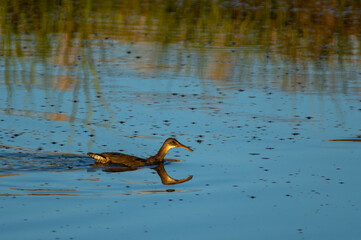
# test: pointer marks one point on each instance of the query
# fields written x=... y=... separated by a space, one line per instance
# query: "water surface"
x=256 y=89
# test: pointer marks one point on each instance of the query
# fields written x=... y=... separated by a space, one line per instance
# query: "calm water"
x=256 y=89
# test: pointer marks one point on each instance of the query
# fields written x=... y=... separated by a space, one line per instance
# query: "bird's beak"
x=185 y=147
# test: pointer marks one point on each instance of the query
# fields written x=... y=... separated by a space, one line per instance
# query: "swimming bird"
x=134 y=162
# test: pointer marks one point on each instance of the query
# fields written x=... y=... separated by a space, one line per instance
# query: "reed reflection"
x=74 y=35
x=57 y=60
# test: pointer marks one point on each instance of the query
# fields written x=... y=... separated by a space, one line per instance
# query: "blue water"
x=262 y=164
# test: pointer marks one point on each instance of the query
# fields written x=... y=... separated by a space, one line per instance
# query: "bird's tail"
x=98 y=158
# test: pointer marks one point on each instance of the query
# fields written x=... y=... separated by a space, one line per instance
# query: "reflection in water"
x=9 y=175
x=139 y=192
x=64 y=82
x=88 y=179
x=165 y=178
x=41 y=194
x=160 y=191
x=68 y=69
x=345 y=140
x=43 y=190
x=33 y=114
x=211 y=39
x=52 y=192
x=296 y=28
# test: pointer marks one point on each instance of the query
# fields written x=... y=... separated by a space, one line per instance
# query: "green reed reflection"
x=56 y=44
x=295 y=28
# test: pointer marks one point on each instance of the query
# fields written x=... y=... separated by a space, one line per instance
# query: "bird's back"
x=124 y=159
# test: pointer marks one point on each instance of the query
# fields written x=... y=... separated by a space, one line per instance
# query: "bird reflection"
x=164 y=177
x=119 y=162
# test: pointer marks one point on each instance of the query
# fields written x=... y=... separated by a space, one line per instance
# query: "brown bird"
x=134 y=162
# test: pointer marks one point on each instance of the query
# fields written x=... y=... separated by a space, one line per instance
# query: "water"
x=257 y=114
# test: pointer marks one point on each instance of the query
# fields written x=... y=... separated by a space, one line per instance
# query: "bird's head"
x=172 y=143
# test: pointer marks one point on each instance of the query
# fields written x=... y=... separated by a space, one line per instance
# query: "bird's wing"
x=124 y=159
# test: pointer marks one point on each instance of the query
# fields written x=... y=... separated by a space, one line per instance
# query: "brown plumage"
x=134 y=162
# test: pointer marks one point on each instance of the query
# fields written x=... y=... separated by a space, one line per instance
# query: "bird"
x=130 y=161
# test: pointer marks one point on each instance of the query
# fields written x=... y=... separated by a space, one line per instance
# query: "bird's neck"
x=162 y=152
